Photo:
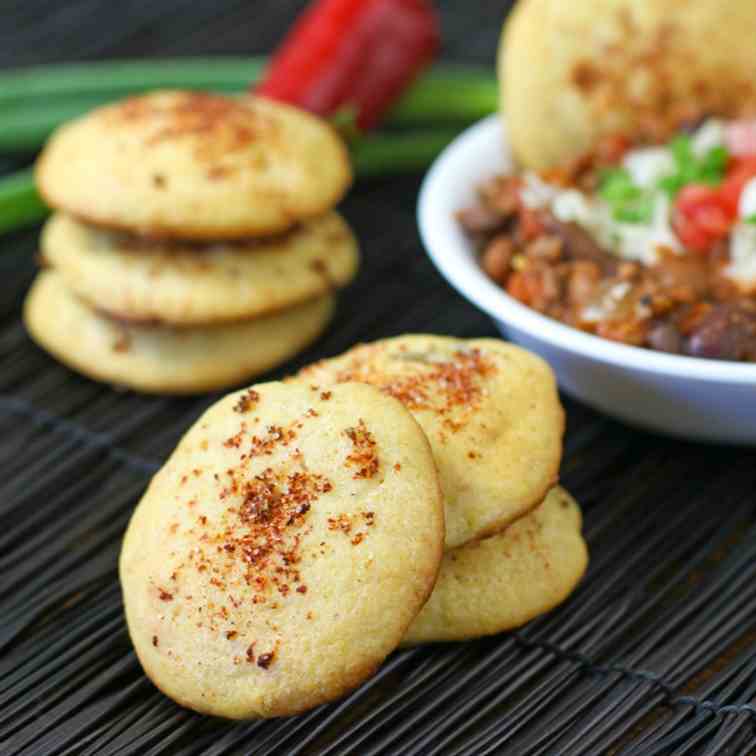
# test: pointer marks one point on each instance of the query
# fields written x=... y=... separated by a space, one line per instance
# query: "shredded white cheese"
x=572 y=206
x=747 y=203
x=536 y=193
x=709 y=135
x=649 y=164
x=630 y=241
x=742 y=267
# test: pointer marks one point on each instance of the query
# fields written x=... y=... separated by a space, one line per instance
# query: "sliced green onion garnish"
x=691 y=169
x=627 y=201
x=641 y=212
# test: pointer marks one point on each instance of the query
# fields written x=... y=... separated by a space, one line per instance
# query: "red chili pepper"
x=353 y=53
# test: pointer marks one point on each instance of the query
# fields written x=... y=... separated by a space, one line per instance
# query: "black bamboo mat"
x=654 y=654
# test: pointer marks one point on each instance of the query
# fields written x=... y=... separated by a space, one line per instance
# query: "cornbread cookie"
x=491 y=413
x=508 y=579
x=174 y=282
x=164 y=360
x=572 y=72
x=194 y=165
x=283 y=550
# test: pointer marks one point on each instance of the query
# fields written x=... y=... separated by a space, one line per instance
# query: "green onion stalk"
x=35 y=101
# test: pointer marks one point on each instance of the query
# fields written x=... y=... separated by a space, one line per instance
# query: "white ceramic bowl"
x=682 y=396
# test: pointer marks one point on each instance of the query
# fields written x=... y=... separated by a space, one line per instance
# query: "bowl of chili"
x=695 y=398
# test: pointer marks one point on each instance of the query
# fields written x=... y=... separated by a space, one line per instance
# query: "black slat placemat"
x=654 y=654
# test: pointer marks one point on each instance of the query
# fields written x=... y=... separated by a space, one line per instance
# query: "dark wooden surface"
x=653 y=655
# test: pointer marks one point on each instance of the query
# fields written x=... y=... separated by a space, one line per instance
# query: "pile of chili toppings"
x=364 y=455
x=253 y=551
x=653 y=246
x=232 y=125
x=448 y=385
x=347 y=524
x=260 y=531
x=247 y=401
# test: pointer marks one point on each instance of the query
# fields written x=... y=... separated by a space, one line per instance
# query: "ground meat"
x=502 y=195
x=665 y=337
x=584 y=278
x=683 y=278
x=497 y=257
x=726 y=332
x=498 y=203
x=479 y=220
x=578 y=244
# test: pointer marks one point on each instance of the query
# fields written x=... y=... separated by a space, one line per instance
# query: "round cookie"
x=571 y=72
x=183 y=285
x=283 y=550
x=506 y=580
x=195 y=165
x=491 y=413
x=164 y=360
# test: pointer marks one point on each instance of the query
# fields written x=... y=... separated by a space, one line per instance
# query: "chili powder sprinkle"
x=364 y=455
x=247 y=401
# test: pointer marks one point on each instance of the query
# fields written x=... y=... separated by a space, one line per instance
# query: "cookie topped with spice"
x=502 y=582
x=154 y=360
x=177 y=283
x=283 y=550
x=194 y=165
x=491 y=413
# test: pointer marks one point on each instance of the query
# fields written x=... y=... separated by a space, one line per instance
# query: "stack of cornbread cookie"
x=194 y=243
x=401 y=493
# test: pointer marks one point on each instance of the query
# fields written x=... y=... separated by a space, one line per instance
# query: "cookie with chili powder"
x=504 y=581
x=574 y=72
x=283 y=550
x=491 y=413
x=194 y=165
x=199 y=284
x=156 y=359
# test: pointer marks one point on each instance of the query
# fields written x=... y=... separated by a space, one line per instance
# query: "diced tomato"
x=739 y=174
x=701 y=217
x=740 y=138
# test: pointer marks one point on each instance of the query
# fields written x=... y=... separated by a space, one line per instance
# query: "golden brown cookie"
x=189 y=285
x=574 y=71
x=161 y=360
x=491 y=413
x=504 y=581
x=283 y=550
x=193 y=165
